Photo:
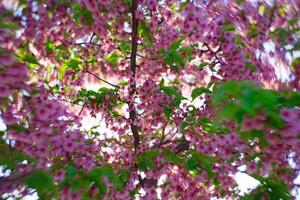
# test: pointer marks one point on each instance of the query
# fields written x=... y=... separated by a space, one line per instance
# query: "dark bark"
x=134 y=38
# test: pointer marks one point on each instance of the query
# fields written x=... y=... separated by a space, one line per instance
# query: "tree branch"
x=16 y=178
x=97 y=77
x=132 y=112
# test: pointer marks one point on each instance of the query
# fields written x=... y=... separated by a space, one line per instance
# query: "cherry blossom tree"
x=189 y=92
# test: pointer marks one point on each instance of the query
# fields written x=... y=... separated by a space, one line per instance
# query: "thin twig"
x=163 y=134
x=91 y=39
x=85 y=43
x=81 y=109
x=97 y=77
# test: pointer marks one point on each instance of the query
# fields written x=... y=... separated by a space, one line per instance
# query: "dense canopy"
x=184 y=93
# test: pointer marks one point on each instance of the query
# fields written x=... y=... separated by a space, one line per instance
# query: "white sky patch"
x=245 y=182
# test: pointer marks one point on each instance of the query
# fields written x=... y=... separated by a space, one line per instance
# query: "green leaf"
x=112 y=59
x=206 y=124
x=239 y=41
x=146 y=159
x=74 y=64
x=30 y=59
x=75 y=184
x=118 y=178
x=8 y=25
x=173 y=7
x=296 y=47
x=101 y=187
x=273 y=188
x=169 y=90
x=252 y=33
x=82 y=13
x=108 y=171
x=251 y=67
x=281 y=32
x=293 y=21
x=175 y=96
x=17 y=128
x=125 y=46
x=229 y=27
x=10 y=157
x=168 y=112
x=97 y=96
x=144 y=32
x=172 y=157
x=50 y=46
x=184 y=125
x=183 y=4
x=252 y=197
x=123 y=83
x=187 y=50
x=274 y=120
x=199 y=91
x=200 y=66
x=221 y=93
x=293 y=31
x=191 y=164
x=22 y=2
x=124 y=176
x=295 y=63
x=175 y=68
x=293 y=100
x=71 y=171
x=206 y=162
x=115 y=114
x=250 y=135
x=40 y=180
x=128 y=2
x=133 y=193
x=55 y=89
x=278 y=190
x=161 y=84
x=262 y=9
x=211 y=127
x=229 y=111
x=176 y=44
x=173 y=59
x=61 y=72
x=240 y=98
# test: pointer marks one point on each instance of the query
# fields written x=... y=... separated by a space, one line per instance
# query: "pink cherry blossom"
x=133 y=70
